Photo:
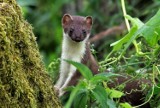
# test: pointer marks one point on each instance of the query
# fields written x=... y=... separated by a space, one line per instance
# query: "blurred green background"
x=45 y=17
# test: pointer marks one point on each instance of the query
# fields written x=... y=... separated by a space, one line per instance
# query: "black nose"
x=78 y=36
x=77 y=39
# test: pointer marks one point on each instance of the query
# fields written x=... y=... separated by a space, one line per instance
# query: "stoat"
x=75 y=47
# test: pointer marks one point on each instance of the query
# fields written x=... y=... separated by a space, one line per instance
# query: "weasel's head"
x=76 y=27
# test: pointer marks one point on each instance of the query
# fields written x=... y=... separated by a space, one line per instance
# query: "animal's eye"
x=71 y=31
x=84 y=32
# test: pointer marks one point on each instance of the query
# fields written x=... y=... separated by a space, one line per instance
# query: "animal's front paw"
x=57 y=89
x=61 y=92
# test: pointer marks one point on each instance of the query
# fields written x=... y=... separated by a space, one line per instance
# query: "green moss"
x=24 y=81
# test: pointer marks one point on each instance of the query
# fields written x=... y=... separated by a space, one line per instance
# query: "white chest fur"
x=70 y=51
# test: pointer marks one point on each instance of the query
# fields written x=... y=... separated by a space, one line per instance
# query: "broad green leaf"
x=73 y=94
x=81 y=99
x=125 y=105
x=119 y=44
x=157 y=29
x=154 y=21
x=150 y=35
x=137 y=24
x=84 y=70
x=111 y=103
x=114 y=93
x=101 y=96
x=148 y=31
x=102 y=77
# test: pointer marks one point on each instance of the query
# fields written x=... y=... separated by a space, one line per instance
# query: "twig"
x=113 y=30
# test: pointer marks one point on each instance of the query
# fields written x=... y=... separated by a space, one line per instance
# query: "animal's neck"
x=73 y=50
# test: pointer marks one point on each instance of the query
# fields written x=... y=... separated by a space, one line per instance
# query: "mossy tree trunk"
x=24 y=82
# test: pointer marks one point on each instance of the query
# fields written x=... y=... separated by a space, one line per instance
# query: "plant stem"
x=124 y=14
x=126 y=20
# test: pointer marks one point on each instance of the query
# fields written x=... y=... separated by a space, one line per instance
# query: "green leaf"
x=114 y=93
x=154 y=21
x=102 y=77
x=111 y=103
x=150 y=35
x=73 y=94
x=84 y=70
x=100 y=95
x=125 y=105
x=157 y=29
x=126 y=39
x=81 y=99
x=148 y=31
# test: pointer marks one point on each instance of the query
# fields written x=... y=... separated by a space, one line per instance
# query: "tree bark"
x=24 y=82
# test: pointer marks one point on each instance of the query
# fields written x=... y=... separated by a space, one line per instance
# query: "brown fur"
x=133 y=90
x=77 y=25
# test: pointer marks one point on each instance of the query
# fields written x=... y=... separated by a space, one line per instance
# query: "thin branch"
x=113 y=30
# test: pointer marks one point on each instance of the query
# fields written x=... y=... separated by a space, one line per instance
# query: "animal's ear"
x=89 y=21
x=66 y=19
